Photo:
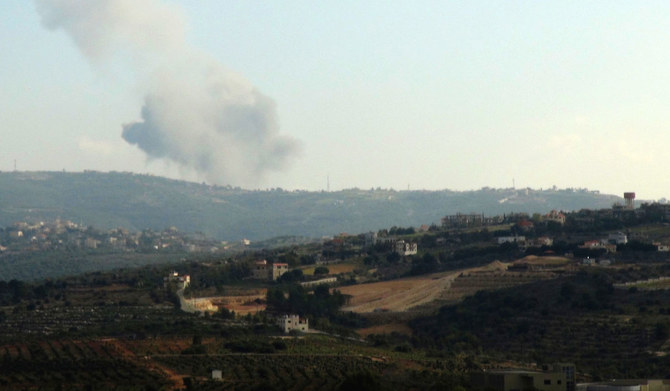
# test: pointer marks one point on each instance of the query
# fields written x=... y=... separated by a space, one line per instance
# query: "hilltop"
x=137 y=202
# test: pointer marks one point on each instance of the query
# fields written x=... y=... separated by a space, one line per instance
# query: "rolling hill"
x=136 y=202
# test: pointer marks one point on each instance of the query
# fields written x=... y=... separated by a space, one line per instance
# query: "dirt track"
x=397 y=295
x=404 y=294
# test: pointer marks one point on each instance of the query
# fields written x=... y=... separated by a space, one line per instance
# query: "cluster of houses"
x=66 y=235
x=399 y=246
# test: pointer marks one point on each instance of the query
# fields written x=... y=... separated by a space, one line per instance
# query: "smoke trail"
x=196 y=113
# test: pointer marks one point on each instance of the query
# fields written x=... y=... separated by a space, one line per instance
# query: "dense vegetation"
x=607 y=332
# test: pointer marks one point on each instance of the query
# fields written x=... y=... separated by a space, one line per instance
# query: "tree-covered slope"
x=136 y=202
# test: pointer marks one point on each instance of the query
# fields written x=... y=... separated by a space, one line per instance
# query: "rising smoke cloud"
x=196 y=113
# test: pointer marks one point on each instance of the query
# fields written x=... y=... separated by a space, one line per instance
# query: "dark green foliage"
x=250 y=346
x=195 y=349
x=574 y=318
x=294 y=275
x=424 y=265
x=295 y=299
x=360 y=381
x=321 y=270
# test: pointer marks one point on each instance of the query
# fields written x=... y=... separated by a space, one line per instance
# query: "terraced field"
x=435 y=289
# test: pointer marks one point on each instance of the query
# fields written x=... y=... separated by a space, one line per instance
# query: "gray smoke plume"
x=196 y=113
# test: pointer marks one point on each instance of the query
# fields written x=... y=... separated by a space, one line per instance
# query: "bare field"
x=545 y=261
x=397 y=295
x=434 y=289
x=250 y=303
x=336 y=268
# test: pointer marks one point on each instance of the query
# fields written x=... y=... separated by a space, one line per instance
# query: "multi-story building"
x=555 y=216
x=463 y=220
x=292 y=322
x=264 y=271
x=277 y=270
x=260 y=270
x=405 y=248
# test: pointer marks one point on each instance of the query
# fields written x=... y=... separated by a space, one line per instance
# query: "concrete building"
x=292 y=322
x=260 y=270
x=277 y=270
x=370 y=239
x=558 y=377
x=627 y=385
x=617 y=238
x=327 y=281
x=405 y=248
x=463 y=220
x=264 y=271
x=555 y=216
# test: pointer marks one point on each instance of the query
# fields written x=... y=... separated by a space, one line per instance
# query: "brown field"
x=434 y=289
x=397 y=295
x=414 y=293
x=336 y=268
x=242 y=303
x=546 y=261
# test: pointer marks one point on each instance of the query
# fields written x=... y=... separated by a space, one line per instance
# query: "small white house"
x=217 y=374
x=292 y=322
x=617 y=238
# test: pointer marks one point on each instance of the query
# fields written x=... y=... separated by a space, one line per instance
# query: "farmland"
x=112 y=363
x=434 y=289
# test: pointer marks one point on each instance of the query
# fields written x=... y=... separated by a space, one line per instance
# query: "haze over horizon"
x=433 y=95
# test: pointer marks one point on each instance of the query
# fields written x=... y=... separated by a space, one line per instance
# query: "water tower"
x=630 y=200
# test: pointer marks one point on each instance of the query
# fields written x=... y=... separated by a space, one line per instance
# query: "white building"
x=292 y=322
x=405 y=248
x=511 y=239
x=617 y=238
x=182 y=281
x=327 y=280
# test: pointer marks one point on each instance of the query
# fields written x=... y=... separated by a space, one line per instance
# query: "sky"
x=302 y=95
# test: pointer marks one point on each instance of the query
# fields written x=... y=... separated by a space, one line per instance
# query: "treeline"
x=294 y=299
x=578 y=318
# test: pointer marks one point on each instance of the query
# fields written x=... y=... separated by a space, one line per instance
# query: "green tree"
x=321 y=270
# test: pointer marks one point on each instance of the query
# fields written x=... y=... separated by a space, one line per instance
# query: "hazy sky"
x=434 y=95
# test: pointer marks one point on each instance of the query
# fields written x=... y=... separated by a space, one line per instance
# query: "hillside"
x=137 y=202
